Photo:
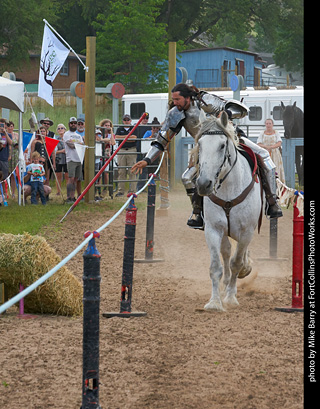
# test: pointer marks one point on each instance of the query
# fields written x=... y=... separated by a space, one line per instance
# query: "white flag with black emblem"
x=53 y=56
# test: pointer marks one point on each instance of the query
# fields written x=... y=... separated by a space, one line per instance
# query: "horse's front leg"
x=240 y=264
x=226 y=254
x=216 y=269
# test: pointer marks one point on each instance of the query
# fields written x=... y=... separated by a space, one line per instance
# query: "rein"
x=227 y=156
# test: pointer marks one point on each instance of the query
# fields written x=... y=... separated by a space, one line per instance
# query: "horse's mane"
x=213 y=124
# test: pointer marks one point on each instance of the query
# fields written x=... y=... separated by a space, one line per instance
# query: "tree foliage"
x=131 y=46
x=132 y=35
x=21 y=28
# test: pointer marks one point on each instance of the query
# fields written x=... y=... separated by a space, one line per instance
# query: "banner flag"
x=81 y=150
x=51 y=144
x=53 y=56
x=26 y=138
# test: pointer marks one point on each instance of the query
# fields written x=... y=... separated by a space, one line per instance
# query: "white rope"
x=42 y=279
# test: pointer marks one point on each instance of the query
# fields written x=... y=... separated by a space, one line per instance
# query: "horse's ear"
x=294 y=104
x=224 y=119
x=282 y=105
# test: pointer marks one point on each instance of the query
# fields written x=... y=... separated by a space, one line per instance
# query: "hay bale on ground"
x=24 y=259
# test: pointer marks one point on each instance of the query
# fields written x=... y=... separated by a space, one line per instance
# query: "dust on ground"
x=177 y=356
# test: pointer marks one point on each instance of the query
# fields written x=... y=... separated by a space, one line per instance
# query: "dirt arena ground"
x=177 y=356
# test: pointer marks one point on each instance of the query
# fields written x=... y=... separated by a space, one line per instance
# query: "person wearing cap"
x=126 y=157
x=47 y=123
x=74 y=165
x=80 y=126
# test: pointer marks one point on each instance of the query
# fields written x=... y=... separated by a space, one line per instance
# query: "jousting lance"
x=104 y=166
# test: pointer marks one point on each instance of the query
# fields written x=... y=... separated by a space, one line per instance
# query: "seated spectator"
x=27 y=183
x=36 y=172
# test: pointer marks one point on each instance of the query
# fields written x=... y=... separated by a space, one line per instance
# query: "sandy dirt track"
x=177 y=356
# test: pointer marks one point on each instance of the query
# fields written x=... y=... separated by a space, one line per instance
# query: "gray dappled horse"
x=232 y=206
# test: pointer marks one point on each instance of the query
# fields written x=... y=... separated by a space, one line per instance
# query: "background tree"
x=21 y=29
x=131 y=46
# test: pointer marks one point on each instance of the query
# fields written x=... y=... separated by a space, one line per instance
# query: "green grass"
x=17 y=219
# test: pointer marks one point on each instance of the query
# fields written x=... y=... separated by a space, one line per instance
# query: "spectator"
x=150 y=135
x=80 y=131
x=38 y=145
x=71 y=137
x=126 y=157
x=14 y=155
x=108 y=138
x=46 y=122
x=5 y=149
x=141 y=130
x=270 y=139
x=61 y=162
x=27 y=183
x=36 y=172
x=81 y=127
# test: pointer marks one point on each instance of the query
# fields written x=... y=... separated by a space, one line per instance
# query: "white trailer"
x=263 y=104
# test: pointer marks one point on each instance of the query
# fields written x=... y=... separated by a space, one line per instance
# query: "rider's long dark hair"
x=185 y=91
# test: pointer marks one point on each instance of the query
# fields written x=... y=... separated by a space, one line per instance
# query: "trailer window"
x=255 y=113
x=277 y=113
x=137 y=109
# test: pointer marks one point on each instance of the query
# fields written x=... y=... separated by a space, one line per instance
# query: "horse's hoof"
x=214 y=306
x=231 y=301
x=245 y=272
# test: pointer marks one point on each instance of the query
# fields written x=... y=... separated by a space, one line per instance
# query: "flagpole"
x=70 y=48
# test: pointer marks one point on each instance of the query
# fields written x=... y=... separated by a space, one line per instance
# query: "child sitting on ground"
x=36 y=172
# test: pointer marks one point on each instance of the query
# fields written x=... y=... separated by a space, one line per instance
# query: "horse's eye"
x=222 y=146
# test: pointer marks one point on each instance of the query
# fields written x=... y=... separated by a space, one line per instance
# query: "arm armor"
x=171 y=126
x=212 y=104
x=262 y=153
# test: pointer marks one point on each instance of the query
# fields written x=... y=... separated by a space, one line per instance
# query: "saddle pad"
x=250 y=156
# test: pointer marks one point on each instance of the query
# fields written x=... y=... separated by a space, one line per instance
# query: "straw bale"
x=24 y=259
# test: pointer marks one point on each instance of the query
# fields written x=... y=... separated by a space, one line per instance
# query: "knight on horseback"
x=189 y=110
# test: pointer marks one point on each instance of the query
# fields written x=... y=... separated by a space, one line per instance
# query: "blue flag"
x=26 y=138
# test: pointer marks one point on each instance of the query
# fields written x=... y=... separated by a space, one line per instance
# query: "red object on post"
x=297 y=263
x=297 y=258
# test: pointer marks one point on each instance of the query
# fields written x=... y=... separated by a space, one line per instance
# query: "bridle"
x=227 y=157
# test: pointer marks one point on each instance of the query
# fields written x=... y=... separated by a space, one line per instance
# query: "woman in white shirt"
x=270 y=139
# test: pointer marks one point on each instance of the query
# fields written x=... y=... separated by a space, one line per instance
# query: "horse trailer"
x=262 y=104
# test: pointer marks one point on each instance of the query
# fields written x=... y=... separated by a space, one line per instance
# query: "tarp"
x=11 y=94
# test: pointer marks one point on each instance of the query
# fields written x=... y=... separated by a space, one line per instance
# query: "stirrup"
x=273 y=211
x=196 y=221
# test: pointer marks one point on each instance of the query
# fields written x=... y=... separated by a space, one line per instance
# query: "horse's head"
x=292 y=121
x=213 y=150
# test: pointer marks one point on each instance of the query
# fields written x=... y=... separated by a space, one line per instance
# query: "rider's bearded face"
x=180 y=102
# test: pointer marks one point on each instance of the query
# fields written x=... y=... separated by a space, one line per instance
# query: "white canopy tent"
x=12 y=97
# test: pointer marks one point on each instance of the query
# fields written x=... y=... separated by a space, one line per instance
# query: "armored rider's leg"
x=188 y=179
x=268 y=178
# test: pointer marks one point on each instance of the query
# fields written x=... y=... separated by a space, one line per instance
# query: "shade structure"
x=11 y=94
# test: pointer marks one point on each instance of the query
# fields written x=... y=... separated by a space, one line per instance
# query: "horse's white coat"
x=243 y=217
